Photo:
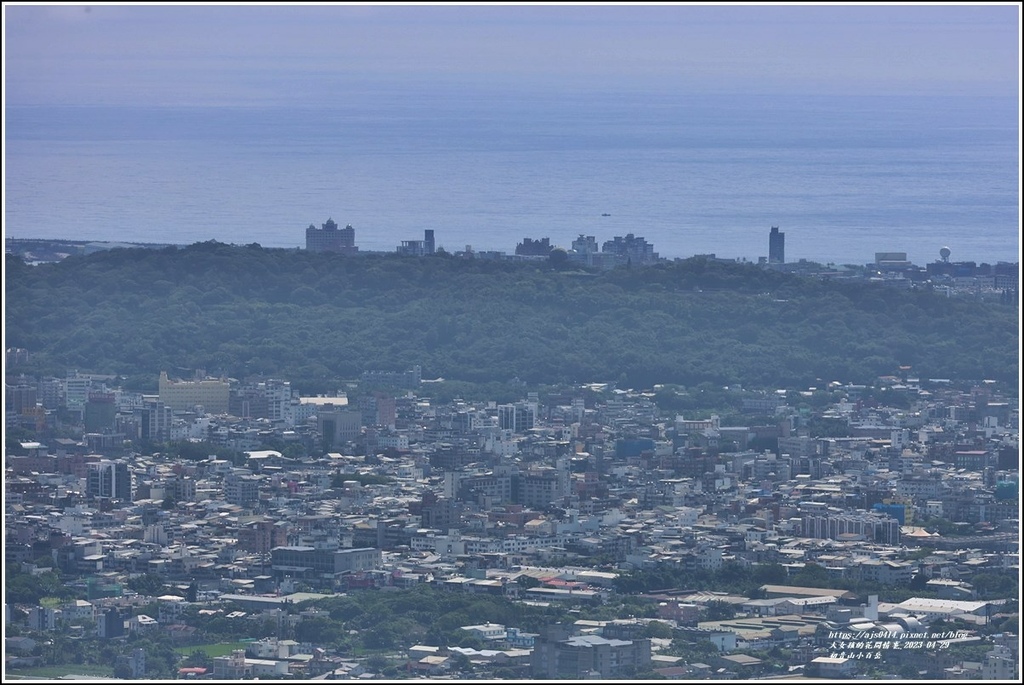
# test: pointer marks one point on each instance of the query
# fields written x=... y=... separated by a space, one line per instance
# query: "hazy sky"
x=255 y=54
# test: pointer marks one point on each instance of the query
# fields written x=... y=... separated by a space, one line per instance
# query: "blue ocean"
x=842 y=177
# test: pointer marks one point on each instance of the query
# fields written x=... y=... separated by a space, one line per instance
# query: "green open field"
x=60 y=671
x=219 y=649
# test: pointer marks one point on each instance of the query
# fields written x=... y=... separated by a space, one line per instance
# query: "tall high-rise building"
x=76 y=391
x=153 y=420
x=330 y=238
x=418 y=248
x=279 y=398
x=109 y=479
x=536 y=248
x=263 y=536
x=585 y=244
x=100 y=412
x=241 y=489
x=378 y=409
x=776 y=246
x=337 y=425
x=270 y=399
x=559 y=654
x=110 y=624
x=518 y=418
x=19 y=400
x=631 y=248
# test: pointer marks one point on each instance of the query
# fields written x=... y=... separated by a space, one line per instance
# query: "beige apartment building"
x=211 y=394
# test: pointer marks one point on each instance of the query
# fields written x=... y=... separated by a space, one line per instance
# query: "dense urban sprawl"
x=237 y=528
x=785 y=536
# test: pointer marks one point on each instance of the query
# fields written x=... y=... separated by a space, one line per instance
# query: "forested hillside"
x=315 y=318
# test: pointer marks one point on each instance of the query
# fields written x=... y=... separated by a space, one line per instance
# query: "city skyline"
x=868 y=127
x=631 y=431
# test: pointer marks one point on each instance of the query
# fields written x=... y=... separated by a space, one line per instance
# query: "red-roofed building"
x=192 y=672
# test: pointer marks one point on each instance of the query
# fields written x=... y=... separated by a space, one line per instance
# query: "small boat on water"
x=606 y=214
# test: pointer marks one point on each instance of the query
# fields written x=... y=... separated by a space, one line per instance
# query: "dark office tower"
x=110 y=624
x=100 y=412
x=776 y=246
x=109 y=479
x=428 y=241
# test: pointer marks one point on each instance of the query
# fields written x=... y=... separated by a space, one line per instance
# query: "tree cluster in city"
x=318 y=318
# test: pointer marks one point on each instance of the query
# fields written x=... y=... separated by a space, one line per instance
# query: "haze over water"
x=263 y=143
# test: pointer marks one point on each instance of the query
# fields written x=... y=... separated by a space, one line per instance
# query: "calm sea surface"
x=843 y=178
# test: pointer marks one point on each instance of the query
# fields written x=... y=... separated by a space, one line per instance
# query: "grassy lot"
x=219 y=649
x=59 y=671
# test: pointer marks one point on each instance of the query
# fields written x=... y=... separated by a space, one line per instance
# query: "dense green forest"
x=318 y=318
